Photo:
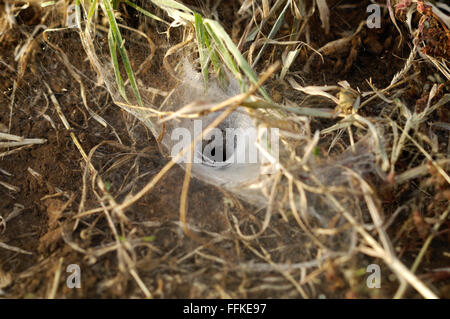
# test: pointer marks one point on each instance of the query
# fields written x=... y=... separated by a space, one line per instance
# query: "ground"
x=51 y=186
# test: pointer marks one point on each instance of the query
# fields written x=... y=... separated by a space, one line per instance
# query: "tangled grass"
x=343 y=143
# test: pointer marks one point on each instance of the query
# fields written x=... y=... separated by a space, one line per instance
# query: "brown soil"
x=164 y=259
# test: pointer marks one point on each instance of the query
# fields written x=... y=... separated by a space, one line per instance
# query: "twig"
x=15 y=249
x=56 y=279
x=402 y=289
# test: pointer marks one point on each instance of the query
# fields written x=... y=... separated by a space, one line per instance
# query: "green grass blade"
x=273 y=32
x=252 y=35
x=304 y=111
x=218 y=32
x=200 y=33
x=145 y=12
x=123 y=53
x=223 y=52
x=92 y=9
x=119 y=80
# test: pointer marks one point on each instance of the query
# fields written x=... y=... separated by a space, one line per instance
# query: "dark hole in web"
x=220 y=157
x=213 y=155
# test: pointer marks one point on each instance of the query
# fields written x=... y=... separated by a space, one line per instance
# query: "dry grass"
x=324 y=216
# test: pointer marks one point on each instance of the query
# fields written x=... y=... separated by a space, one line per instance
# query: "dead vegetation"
x=363 y=171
